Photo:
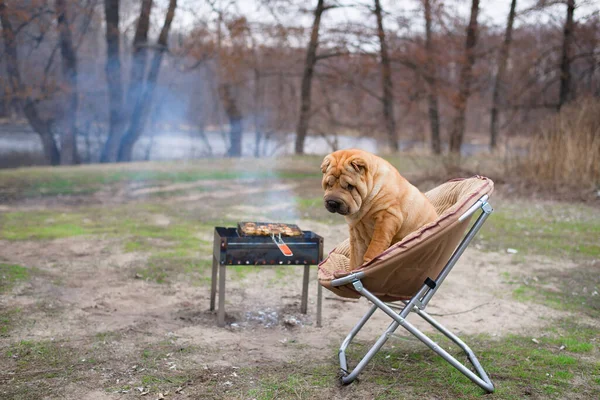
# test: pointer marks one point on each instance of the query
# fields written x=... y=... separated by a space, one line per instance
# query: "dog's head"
x=345 y=180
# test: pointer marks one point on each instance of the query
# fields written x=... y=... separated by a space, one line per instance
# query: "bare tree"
x=122 y=136
x=22 y=96
x=142 y=106
x=386 y=81
x=233 y=62
x=113 y=79
x=464 y=88
x=306 y=87
x=235 y=116
x=68 y=150
x=499 y=82
x=140 y=55
x=258 y=104
x=431 y=79
x=253 y=80
x=565 y=62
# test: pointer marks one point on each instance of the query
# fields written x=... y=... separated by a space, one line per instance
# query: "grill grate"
x=267 y=229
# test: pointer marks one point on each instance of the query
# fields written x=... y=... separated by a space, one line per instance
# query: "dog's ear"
x=325 y=164
x=359 y=165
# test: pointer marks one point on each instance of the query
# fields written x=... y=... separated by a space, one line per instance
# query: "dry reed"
x=565 y=150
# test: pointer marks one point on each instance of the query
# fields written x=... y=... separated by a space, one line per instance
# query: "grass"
x=51 y=354
x=529 y=228
x=294 y=385
x=551 y=229
x=39 y=369
x=156 y=383
x=300 y=383
x=167 y=270
x=85 y=180
x=309 y=206
x=155 y=365
x=575 y=290
x=129 y=221
x=518 y=366
x=137 y=245
x=305 y=204
x=10 y=274
x=44 y=225
x=107 y=337
x=8 y=318
x=174 y=249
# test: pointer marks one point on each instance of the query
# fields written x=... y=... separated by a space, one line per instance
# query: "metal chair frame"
x=417 y=304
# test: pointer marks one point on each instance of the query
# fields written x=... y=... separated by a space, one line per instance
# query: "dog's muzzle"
x=336 y=206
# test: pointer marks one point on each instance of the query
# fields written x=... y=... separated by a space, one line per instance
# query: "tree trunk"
x=500 y=75
x=386 y=80
x=138 y=69
x=235 y=117
x=140 y=55
x=68 y=148
x=305 y=91
x=144 y=102
x=592 y=59
x=258 y=107
x=3 y=108
x=565 y=63
x=113 y=80
x=40 y=126
x=464 y=88
x=431 y=79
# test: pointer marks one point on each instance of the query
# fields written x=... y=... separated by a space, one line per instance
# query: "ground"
x=105 y=284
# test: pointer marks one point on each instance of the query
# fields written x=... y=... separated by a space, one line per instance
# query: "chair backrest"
x=399 y=272
x=456 y=192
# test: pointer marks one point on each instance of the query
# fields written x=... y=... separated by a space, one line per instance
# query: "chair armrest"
x=348 y=279
x=478 y=204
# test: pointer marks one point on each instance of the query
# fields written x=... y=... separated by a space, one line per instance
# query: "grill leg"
x=213 y=283
x=304 y=303
x=319 y=303
x=221 y=311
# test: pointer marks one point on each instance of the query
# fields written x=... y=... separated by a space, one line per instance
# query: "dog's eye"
x=350 y=187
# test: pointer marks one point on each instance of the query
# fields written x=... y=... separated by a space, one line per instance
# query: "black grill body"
x=232 y=249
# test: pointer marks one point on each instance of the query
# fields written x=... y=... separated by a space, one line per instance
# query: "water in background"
x=178 y=145
x=181 y=145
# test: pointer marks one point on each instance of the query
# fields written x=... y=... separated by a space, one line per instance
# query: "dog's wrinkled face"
x=344 y=182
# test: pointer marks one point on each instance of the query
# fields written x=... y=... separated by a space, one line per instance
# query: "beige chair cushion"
x=400 y=271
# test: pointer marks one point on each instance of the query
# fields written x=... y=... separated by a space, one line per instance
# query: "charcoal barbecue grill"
x=265 y=245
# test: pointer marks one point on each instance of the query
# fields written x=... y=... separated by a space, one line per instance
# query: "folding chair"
x=412 y=270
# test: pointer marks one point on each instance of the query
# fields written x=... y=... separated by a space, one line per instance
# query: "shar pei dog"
x=380 y=206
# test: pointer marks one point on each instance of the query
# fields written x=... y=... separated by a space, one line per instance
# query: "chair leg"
x=482 y=380
x=349 y=377
x=470 y=354
x=351 y=335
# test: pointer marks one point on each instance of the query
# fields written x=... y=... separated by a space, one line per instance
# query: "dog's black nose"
x=334 y=205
